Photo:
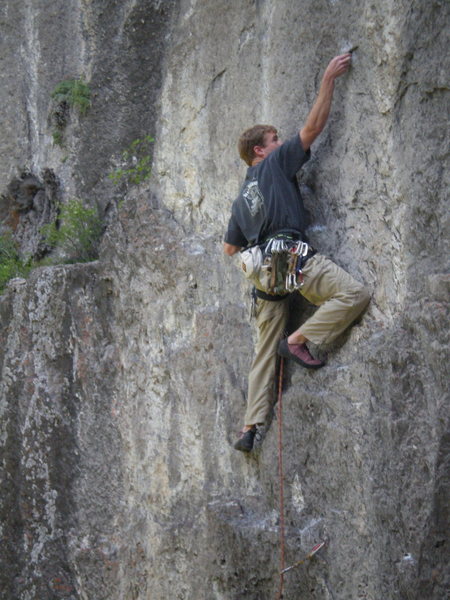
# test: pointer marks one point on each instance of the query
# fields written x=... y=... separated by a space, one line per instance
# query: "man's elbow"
x=229 y=249
x=308 y=135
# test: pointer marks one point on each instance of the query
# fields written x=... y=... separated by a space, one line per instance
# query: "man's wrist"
x=328 y=79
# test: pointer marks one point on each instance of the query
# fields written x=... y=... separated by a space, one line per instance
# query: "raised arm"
x=318 y=116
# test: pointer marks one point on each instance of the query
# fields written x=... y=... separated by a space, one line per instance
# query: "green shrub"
x=11 y=265
x=76 y=232
x=57 y=137
x=136 y=162
x=73 y=92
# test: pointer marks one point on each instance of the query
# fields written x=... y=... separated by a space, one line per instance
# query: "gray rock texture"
x=124 y=380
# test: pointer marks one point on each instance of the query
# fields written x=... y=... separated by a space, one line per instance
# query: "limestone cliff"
x=124 y=379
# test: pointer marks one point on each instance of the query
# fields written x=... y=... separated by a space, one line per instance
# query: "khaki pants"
x=340 y=299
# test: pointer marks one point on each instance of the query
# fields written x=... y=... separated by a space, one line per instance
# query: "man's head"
x=258 y=142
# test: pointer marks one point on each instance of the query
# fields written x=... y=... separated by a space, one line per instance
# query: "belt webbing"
x=270 y=297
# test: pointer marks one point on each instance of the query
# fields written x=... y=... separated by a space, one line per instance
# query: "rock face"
x=124 y=380
x=29 y=205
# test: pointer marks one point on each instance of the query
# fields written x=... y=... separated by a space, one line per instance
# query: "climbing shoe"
x=245 y=441
x=299 y=353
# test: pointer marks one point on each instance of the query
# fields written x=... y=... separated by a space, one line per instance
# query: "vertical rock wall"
x=124 y=381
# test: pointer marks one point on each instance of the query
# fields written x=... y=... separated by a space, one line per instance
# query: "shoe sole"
x=283 y=351
x=245 y=445
x=242 y=449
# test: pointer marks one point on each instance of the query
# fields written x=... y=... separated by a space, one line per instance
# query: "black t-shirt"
x=269 y=201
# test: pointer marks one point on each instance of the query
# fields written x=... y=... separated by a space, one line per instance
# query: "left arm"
x=229 y=249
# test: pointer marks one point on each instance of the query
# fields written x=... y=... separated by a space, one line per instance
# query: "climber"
x=267 y=225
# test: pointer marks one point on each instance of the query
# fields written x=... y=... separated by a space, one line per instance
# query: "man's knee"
x=362 y=297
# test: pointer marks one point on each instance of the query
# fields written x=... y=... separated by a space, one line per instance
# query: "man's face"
x=271 y=143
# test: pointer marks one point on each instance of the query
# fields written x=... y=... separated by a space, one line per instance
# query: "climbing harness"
x=276 y=265
x=282 y=265
x=321 y=544
x=263 y=296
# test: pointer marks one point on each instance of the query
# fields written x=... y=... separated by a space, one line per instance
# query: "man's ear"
x=259 y=151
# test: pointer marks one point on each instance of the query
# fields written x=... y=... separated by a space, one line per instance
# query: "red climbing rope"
x=281 y=477
x=318 y=546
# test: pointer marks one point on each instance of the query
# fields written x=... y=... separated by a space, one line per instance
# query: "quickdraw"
x=283 y=262
x=294 y=276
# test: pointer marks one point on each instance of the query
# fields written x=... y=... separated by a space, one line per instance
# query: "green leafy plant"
x=11 y=265
x=76 y=232
x=68 y=94
x=136 y=160
x=75 y=93
x=58 y=137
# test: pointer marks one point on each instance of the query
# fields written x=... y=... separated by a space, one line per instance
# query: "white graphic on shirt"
x=253 y=197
